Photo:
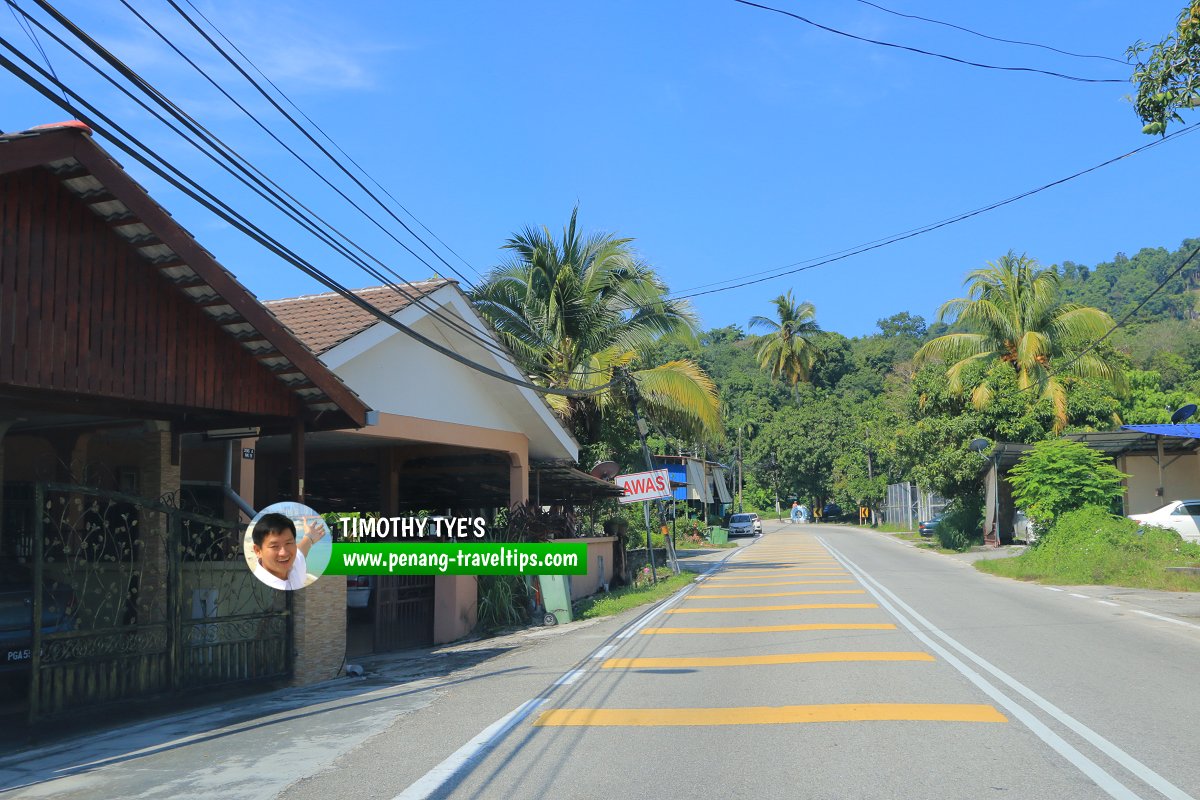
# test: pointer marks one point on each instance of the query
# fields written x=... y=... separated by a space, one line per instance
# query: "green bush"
x=1059 y=475
x=960 y=525
x=1092 y=546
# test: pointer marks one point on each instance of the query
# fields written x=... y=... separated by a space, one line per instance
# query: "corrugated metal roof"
x=1185 y=430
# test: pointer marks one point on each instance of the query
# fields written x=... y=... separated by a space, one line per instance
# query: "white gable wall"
x=395 y=374
x=405 y=377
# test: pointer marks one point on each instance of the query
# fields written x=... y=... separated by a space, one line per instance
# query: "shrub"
x=1059 y=475
x=960 y=525
x=503 y=601
x=1092 y=546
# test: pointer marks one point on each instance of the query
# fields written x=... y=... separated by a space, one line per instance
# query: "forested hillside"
x=869 y=414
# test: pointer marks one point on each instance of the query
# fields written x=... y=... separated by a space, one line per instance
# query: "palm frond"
x=954 y=347
x=683 y=390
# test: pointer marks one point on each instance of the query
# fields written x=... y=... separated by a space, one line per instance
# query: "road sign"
x=641 y=486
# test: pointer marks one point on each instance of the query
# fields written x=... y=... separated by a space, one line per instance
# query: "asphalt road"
x=816 y=662
x=825 y=662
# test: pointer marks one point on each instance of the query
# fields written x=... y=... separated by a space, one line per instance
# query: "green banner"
x=484 y=558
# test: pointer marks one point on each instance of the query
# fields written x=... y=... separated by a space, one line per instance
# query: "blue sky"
x=726 y=140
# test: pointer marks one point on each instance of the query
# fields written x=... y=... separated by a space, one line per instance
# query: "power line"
x=200 y=195
x=64 y=21
x=1077 y=357
x=246 y=168
x=879 y=243
x=1161 y=285
x=807 y=21
x=266 y=95
x=992 y=38
x=329 y=138
x=28 y=29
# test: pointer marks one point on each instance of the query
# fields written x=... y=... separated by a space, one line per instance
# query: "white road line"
x=644 y=620
x=1106 y=603
x=1054 y=589
x=433 y=780
x=570 y=677
x=1167 y=619
x=1076 y=594
x=1103 y=779
x=443 y=773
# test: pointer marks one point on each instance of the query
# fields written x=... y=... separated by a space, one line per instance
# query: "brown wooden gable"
x=106 y=261
x=83 y=312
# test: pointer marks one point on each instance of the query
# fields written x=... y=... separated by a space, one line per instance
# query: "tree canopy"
x=580 y=310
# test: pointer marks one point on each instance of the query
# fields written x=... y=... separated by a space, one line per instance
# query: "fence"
x=140 y=599
x=907 y=505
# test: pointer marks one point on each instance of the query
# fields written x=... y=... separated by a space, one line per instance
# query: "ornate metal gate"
x=140 y=599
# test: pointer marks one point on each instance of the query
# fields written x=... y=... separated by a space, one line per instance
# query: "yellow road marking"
x=738 y=609
x=774 y=583
x=780 y=573
x=785 y=557
x=753 y=661
x=770 y=715
x=772 y=594
x=808 y=626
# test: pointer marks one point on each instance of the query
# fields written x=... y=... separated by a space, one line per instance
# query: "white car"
x=1181 y=516
x=745 y=525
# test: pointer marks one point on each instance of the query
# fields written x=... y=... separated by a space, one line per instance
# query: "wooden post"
x=298 y=460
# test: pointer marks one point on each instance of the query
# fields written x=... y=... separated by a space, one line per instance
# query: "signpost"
x=641 y=486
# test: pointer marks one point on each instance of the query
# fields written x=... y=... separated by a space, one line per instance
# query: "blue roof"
x=1186 y=430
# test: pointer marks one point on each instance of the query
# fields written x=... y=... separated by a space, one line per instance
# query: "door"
x=403 y=612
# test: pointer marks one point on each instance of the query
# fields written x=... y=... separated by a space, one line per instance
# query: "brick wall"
x=320 y=629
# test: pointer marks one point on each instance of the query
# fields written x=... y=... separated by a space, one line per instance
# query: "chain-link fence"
x=907 y=504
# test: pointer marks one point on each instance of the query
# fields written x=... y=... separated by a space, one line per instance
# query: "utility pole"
x=870 y=477
x=631 y=395
x=739 y=456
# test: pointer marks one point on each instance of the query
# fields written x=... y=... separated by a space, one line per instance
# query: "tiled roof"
x=323 y=321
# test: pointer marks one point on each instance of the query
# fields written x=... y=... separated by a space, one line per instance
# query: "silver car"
x=745 y=525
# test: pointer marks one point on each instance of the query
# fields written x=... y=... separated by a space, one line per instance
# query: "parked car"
x=745 y=525
x=1024 y=529
x=358 y=591
x=929 y=527
x=16 y=614
x=1181 y=516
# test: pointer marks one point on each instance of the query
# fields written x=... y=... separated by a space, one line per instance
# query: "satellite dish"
x=977 y=445
x=1184 y=413
x=605 y=470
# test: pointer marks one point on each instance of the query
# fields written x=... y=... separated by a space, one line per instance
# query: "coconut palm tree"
x=1012 y=314
x=789 y=351
x=578 y=311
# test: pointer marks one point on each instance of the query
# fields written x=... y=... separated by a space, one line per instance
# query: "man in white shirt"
x=281 y=563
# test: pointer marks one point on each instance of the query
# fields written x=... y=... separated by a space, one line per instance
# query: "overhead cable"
x=242 y=169
x=878 y=243
x=329 y=138
x=49 y=9
x=992 y=38
x=919 y=51
x=197 y=193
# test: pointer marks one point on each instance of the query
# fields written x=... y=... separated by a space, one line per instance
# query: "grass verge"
x=627 y=597
x=689 y=543
x=1090 y=547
